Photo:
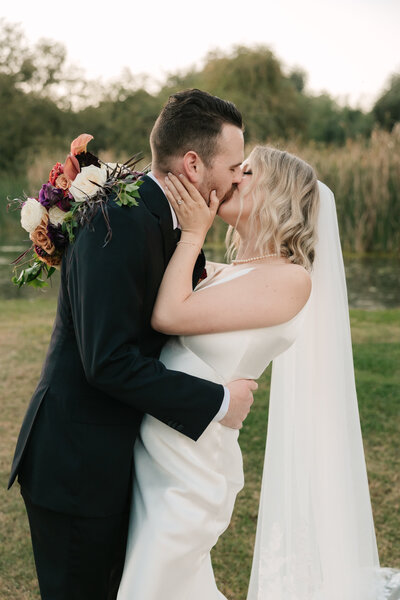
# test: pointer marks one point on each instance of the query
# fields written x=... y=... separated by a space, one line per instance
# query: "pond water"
x=373 y=283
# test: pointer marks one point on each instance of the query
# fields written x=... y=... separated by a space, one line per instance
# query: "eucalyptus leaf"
x=131 y=187
x=37 y=283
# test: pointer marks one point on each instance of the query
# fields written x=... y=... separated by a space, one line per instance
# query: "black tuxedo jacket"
x=74 y=452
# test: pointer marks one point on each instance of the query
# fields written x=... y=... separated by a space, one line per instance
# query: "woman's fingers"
x=193 y=213
x=190 y=188
x=185 y=189
x=214 y=204
x=176 y=202
x=174 y=192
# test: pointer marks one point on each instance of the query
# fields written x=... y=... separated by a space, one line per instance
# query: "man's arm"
x=106 y=288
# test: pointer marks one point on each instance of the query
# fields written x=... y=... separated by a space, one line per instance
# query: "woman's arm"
x=267 y=296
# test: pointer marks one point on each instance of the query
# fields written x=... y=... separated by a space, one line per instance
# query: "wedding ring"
x=180 y=201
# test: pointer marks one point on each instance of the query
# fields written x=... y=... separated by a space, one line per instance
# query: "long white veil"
x=315 y=534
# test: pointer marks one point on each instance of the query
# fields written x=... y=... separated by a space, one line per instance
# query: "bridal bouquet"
x=67 y=200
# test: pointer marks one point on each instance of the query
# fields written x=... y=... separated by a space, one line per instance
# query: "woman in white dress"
x=240 y=318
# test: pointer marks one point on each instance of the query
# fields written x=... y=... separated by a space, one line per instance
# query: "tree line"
x=45 y=104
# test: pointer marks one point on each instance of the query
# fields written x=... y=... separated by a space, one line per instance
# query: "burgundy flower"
x=65 y=202
x=49 y=195
x=57 y=236
x=86 y=159
x=39 y=251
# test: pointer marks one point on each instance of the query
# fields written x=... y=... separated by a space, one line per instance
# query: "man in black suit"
x=74 y=453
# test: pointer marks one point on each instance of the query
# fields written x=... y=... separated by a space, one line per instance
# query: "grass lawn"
x=25 y=327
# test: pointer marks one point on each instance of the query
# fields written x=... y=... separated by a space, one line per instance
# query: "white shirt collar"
x=174 y=218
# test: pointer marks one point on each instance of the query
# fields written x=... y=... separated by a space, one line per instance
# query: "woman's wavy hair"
x=285 y=195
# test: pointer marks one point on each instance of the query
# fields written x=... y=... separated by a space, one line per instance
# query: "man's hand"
x=241 y=392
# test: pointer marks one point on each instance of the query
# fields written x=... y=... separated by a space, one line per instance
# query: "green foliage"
x=32 y=275
x=35 y=111
x=28 y=121
x=122 y=126
x=128 y=192
x=387 y=109
x=330 y=123
x=253 y=79
x=70 y=224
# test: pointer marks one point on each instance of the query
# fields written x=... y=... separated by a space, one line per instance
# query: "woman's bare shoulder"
x=287 y=273
x=287 y=286
x=296 y=278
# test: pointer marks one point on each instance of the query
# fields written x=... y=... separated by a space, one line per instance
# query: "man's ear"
x=193 y=167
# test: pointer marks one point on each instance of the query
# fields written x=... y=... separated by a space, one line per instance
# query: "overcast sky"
x=347 y=47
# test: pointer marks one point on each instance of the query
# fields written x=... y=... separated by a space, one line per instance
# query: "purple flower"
x=49 y=195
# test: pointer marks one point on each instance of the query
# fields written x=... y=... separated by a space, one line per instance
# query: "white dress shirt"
x=226 y=400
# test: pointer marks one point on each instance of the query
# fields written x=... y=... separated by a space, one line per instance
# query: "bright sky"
x=347 y=47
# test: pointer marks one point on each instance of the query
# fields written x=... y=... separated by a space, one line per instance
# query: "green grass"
x=25 y=327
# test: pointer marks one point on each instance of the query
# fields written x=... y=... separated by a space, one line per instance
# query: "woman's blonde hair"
x=285 y=196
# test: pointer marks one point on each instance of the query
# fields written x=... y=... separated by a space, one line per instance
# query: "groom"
x=75 y=449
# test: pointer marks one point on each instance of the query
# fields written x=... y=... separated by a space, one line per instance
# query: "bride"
x=282 y=298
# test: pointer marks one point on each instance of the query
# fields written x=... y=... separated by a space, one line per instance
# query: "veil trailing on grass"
x=315 y=534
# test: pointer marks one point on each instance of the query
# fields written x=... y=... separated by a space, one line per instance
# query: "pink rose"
x=62 y=182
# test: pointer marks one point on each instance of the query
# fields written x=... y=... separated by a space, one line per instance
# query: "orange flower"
x=71 y=167
x=40 y=236
x=80 y=143
x=55 y=172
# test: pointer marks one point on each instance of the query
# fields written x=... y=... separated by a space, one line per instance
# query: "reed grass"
x=363 y=174
x=365 y=178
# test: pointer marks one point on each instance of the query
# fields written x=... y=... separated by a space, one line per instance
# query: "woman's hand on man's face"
x=194 y=214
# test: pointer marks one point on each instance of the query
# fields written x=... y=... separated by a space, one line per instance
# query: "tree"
x=30 y=84
x=387 y=108
x=122 y=126
x=253 y=79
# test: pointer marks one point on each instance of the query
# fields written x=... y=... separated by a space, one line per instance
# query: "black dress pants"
x=77 y=558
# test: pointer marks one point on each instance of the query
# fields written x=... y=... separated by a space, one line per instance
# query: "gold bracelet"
x=188 y=243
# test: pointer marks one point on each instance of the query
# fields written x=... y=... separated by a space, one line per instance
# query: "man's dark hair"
x=191 y=120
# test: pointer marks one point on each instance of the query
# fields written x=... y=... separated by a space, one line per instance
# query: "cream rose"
x=32 y=213
x=56 y=215
x=84 y=185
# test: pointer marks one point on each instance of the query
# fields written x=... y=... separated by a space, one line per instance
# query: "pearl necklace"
x=240 y=261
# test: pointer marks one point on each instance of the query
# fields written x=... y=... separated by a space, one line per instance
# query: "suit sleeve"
x=106 y=289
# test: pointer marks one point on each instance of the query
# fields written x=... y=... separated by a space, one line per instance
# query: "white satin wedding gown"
x=184 y=491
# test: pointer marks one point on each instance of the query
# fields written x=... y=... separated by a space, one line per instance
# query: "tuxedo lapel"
x=157 y=203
